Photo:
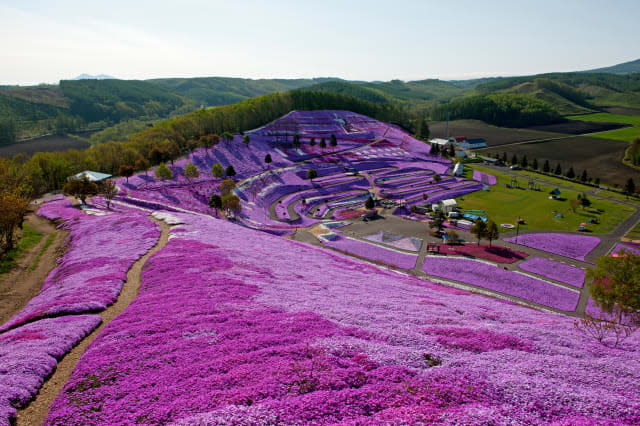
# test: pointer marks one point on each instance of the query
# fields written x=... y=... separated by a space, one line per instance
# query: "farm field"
x=51 y=143
x=626 y=134
x=600 y=157
x=492 y=134
x=505 y=205
x=174 y=312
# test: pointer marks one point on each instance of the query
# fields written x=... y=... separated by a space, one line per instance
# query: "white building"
x=442 y=143
x=473 y=143
x=458 y=169
x=447 y=206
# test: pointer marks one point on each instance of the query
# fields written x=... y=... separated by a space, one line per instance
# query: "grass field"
x=30 y=238
x=634 y=234
x=492 y=134
x=627 y=134
x=504 y=205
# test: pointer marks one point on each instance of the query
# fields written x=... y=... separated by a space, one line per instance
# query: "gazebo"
x=92 y=176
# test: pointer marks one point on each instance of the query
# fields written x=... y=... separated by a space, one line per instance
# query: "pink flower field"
x=567 y=245
x=250 y=328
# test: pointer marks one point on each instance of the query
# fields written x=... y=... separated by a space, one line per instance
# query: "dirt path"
x=36 y=411
x=21 y=284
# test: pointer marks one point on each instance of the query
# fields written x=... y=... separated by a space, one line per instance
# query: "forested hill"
x=124 y=106
x=623 y=68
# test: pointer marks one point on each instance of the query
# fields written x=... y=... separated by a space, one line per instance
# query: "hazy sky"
x=45 y=41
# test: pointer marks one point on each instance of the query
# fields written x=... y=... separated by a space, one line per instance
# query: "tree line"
x=499 y=109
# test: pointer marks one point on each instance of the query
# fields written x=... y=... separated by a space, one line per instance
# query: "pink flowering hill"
x=277 y=197
x=234 y=326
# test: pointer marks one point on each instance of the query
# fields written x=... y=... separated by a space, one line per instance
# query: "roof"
x=476 y=140
x=92 y=176
x=449 y=202
x=555 y=192
x=489 y=159
x=440 y=141
x=460 y=138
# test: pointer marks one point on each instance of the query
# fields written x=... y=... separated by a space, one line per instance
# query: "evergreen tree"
x=571 y=174
x=514 y=159
x=479 y=229
x=230 y=171
x=323 y=143
x=558 y=170
x=584 y=176
x=369 y=204
x=630 y=187
x=312 y=142
x=492 y=231
x=296 y=140
x=333 y=142
x=163 y=172
x=312 y=174
x=268 y=160
x=546 y=168
x=191 y=171
x=246 y=139
x=504 y=157
x=534 y=165
x=524 y=163
x=217 y=170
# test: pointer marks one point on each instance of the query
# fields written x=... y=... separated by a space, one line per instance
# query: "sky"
x=46 y=41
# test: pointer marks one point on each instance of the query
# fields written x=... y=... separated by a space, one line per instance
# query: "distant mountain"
x=94 y=77
x=623 y=68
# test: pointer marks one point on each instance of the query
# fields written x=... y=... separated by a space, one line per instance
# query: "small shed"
x=92 y=176
x=458 y=169
x=448 y=206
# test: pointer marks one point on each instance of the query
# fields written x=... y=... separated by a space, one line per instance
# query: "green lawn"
x=627 y=134
x=28 y=239
x=505 y=205
x=605 y=117
x=634 y=234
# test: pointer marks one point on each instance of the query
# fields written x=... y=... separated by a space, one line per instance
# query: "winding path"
x=36 y=411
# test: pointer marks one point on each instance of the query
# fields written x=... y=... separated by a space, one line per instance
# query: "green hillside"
x=214 y=91
x=623 y=68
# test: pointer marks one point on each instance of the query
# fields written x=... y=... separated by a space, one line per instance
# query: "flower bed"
x=251 y=328
x=29 y=355
x=567 y=245
x=59 y=209
x=484 y=178
x=628 y=247
x=91 y=273
x=374 y=252
x=491 y=277
x=494 y=254
x=555 y=270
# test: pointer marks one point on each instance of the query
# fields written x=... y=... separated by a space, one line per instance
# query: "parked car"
x=514 y=167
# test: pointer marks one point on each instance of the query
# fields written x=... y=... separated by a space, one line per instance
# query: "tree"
x=597 y=181
x=584 y=201
x=422 y=128
x=571 y=174
x=438 y=221
x=534 y=164
x=452 y=151
x=172 y=149
x=163 y=172
x=80 y=188
x=435 y=149
x=227 y=137
x=312 y=142
x=217 y=170
x=504 y=157
x=524 y=163
x=206 y=142
x=296 y=140
x=452 y=237
x=437 y=178
x=215 y=202
x=615 y=289
x=13 y=207
x=231 y=203
x=629 y=187
x=425 y=196
x=514 y=159
x=312 y=174
x=546 y=167
x=108 y=190
x=8 y=131
x=323 y=143
x=126 y=171
x=142 y=164
x=492 y=231
x=226 y=186
x=558 y=170
x=573 y=204
x=479 y=229
x=230 y=171
x=158 y=155
x=584 y=176
x=268 y=160
x=191 y=171
x=333 y=142
x=246 y=139
x=370 y=203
